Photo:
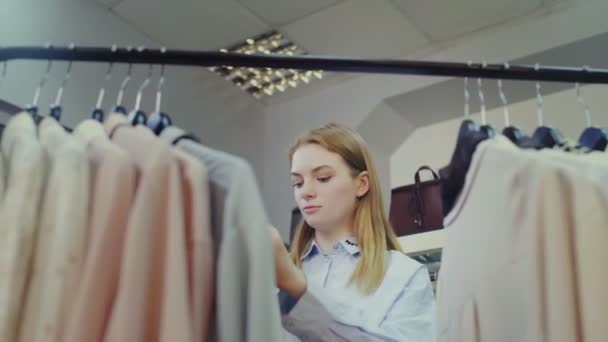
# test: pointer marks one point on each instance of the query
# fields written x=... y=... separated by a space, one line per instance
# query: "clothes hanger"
x=594 y=138
x=98 y=113
x=453 y=175
x=137 y=116
x=32 y=108
x=119 y=108
x=513 y=133
x=543 y=136
x=2 y=78
x=4 y=71
x=159 y=120
x=485 y=128
x=56 y=109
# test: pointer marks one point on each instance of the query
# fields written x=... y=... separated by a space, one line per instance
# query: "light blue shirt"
x=401 y=309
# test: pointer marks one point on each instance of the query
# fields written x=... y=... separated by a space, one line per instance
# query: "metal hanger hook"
x=503 y=99
x=581 y=100
x=44 y=79
x=102 y=91
x=467 y=95
x=143 y=86
x=539 y=99
x=161 y=82
x=125 y=81
x=4 y=70
x=64 y=82
x=482 y=99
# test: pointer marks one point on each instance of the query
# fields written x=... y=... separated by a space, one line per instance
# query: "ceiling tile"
x=109 y=3
x=191 y=24
x=442 y=20
x=281 y=12
x=357 y=28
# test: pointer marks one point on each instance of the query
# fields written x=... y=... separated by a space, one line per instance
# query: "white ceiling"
x=462 y=16
x=378 y=28
x=360 y=28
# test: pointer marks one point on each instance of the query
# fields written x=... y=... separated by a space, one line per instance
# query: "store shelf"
x=423 y=243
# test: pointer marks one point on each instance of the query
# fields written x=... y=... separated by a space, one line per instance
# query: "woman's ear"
x=362 y=184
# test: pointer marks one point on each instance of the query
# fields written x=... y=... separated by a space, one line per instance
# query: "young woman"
x=347 y=278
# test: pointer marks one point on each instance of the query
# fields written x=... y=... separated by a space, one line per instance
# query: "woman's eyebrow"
x=318 y=168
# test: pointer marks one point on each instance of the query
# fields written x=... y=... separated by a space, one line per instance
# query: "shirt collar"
x=350 y=245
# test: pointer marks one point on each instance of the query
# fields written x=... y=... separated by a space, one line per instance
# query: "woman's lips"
x=311 y=209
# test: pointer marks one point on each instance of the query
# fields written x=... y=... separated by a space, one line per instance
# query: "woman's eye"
x=296 y=185
x=324 y=179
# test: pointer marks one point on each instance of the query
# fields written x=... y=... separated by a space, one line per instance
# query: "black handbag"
x=417 y=208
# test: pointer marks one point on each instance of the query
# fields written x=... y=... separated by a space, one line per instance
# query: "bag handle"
x=419 y=205
x=424 y=167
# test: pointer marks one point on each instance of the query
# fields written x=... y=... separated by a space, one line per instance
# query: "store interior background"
x=408 y=121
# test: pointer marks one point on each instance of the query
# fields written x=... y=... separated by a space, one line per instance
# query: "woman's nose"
x=308 y=191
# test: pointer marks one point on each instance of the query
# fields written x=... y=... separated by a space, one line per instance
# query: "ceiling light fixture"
x=261 y=82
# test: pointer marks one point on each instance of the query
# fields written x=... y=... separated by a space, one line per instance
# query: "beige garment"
x=590 y=244
x=113 y=176
x=509 y=267
x=61 y=242
x=199 y=243
x=152 y=303
x=246 y=307
x=24 y=173
x=2 y=178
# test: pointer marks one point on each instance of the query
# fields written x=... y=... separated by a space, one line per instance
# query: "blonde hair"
x=372 y=229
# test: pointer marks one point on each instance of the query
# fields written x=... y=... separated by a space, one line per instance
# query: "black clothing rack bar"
x=308 y=62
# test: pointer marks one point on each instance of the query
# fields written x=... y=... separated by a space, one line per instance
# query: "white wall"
x=433 y=145
x=197 y=100
x=351 y=102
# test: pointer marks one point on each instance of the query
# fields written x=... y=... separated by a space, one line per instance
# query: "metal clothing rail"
x=308 y=62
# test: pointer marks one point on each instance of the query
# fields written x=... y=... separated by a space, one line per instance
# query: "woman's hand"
x=289 y=277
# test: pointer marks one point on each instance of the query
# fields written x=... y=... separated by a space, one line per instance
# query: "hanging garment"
x=61 y=240
x=2 y=176
x=508 y=269
x=246 y=304
x=589 y=244
x=113 y=178
x=24 y=172
x=201 y=277
x=152 y=302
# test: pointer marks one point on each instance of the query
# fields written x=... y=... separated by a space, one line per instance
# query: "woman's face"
x=324 y=188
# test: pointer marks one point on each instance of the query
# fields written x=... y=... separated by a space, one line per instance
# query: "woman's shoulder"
x=402 y=266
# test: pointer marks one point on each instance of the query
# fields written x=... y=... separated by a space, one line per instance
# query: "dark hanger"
x=543 y=136
x=594 y=138
x=488 y=130
x=55 y=112
x=138 y=116
x=547 y=137
x=119 y=108
x=453 y=175
x=32 y=109
x=159 y=120
x=513 y=133
x=98 y=113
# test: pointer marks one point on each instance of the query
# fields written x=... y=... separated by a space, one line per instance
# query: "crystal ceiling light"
x=261 y=82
